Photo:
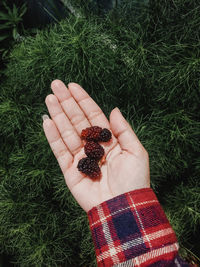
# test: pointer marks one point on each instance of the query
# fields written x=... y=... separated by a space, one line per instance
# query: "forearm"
x=133 y=230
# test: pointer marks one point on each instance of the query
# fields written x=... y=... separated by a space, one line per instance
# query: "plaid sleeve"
x=133 y=230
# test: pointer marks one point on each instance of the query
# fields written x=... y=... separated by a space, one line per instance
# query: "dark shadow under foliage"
x=147 y=65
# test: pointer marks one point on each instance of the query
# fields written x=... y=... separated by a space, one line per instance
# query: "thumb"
x=124 y=133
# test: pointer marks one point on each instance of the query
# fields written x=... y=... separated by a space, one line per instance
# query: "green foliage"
x=183 y=204
x=11 y=28
x=11 y=19
x=148 y=66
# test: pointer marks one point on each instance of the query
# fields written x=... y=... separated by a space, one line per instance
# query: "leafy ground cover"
x=147 y=65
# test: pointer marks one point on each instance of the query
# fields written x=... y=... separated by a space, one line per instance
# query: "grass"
x=148 y=66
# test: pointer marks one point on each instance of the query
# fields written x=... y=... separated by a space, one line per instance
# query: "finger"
x=67 y=131
x=69 y=105
x=124 y=133
x=57 y=145
x=92 y=111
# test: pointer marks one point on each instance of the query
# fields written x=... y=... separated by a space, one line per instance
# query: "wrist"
x=131 y=225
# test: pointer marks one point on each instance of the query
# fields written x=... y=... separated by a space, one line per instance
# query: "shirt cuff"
x=132 y=228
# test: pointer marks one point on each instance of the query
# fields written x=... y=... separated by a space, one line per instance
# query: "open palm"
x=126 y=165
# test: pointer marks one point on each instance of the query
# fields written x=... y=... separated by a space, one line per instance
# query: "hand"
x=126 y=167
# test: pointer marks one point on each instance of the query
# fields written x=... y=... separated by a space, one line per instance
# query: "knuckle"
x=61 y=153
x=77 y=118
x=66 y=133
x=94 y=114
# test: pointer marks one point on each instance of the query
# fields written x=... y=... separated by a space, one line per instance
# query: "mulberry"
x=105 y=135
x=91 y=133
x=90 y=167
x=94 y=150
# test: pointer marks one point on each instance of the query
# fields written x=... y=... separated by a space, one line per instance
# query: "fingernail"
x=45 y=117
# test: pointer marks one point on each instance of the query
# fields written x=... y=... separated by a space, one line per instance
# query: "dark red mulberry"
x=91 y=133
x=105 y=135
x=94 y=150
x=90 y=167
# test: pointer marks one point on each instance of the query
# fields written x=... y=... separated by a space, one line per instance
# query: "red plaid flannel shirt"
x=133 y=230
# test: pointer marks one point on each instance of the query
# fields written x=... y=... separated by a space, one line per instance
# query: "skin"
x=126 y=165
